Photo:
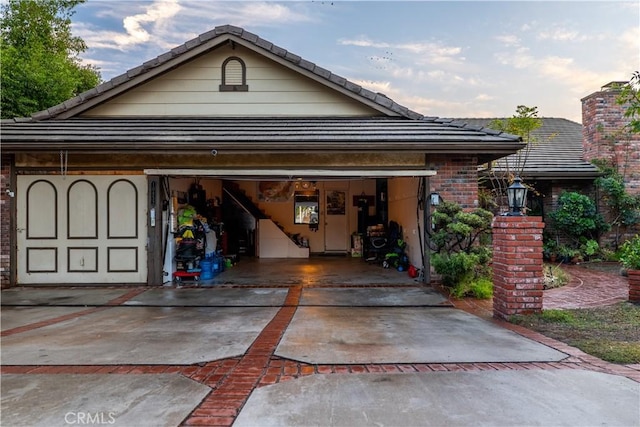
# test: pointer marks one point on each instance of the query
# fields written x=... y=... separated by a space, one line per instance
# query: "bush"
x=481 y=288
x=459 y=240
x=630 y=253
x=455 y=268
x=577 y=217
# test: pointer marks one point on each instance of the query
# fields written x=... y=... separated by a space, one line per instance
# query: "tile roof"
x=203 y=43
x=253 y=134
x=399 y=128
x=557 y=152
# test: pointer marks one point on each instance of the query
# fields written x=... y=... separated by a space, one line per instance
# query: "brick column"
x=518 y=279
x=6 y=223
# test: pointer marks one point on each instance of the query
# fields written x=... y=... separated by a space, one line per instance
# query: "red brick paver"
x=588 y=288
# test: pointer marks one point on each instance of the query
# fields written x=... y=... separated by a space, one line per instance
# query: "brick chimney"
x=604 y=135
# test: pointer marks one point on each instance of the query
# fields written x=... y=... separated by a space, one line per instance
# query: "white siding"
x=193 y=90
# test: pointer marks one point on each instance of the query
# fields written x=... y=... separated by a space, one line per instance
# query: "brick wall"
x=6 y=223
x=604 y=135
x=456 y=179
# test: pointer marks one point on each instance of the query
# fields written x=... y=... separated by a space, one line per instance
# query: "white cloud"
x=427 y=52
x=484 y=97
x=520 y=58
x=245 y=14
x=509 y=39
x=167 y=23
x=561 y=35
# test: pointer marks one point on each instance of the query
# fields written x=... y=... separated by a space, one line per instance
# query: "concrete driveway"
x=319 y=355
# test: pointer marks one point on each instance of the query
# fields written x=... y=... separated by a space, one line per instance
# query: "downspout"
x=426 y=221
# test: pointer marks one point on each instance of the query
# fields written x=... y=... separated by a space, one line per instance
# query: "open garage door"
x=350 y=185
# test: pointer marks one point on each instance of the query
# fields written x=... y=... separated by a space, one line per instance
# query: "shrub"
x=458 y=241
x=577 y=217
x=481 y=288
x=630 y=253
x=455 y=267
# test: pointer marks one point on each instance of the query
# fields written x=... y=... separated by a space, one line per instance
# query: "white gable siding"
x=193 y=90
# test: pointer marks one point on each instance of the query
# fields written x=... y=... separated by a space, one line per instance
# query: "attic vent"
x=234 y=75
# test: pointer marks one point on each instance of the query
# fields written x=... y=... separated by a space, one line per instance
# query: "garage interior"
x=312 y=221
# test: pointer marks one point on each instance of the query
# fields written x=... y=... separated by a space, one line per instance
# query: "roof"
x=372 y=134
x=397 y=128
x=205 y=43
x=558 y=152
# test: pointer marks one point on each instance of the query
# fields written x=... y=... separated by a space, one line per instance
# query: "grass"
x=611 y=333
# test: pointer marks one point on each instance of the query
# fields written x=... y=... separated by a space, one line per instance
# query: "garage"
x=288 y=158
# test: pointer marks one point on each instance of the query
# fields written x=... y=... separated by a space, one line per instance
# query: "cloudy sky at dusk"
x=440 y=58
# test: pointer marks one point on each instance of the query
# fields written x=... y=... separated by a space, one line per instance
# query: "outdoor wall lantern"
x=517 y=195
x=435 y=199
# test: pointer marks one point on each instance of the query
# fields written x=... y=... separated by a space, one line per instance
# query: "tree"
x=630 y=96
x=459 y=245
x=501 y=174
x=39 y=56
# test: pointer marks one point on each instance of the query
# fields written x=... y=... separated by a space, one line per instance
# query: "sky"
x=440 y=58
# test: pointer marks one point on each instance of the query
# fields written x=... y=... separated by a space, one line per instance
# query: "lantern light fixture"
x=517 y=197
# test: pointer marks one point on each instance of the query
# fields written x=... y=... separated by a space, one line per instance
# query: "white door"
x=336 y=223
x=81 y=229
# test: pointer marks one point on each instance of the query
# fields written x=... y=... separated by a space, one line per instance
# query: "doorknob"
x=20 y=230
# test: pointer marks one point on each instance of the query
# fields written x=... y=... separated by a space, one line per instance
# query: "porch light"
x=435 y=199
x=517 y=195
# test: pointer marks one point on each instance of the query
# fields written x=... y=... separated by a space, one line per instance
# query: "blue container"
x=217 y=264
x=207 y=270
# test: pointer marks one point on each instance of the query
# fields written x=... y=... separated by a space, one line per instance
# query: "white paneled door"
x=336 y=233
x=81 y=229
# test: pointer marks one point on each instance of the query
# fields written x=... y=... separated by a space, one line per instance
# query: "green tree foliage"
x=39 y=56
x=630 y=96
x=624 y=208
x=630 y=253
x=501 y=174
x=577 y=218
x=459 y=241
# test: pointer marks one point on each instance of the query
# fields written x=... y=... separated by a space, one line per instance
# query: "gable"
x=193 y=89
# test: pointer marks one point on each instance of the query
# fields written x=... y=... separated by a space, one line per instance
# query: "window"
x=234 y=75
x=306 y=207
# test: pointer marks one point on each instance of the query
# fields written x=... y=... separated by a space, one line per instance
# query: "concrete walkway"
x=294 y=355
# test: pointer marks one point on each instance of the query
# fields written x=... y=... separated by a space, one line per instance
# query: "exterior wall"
x=6 y=222
x=193 y=90
x=456 y=179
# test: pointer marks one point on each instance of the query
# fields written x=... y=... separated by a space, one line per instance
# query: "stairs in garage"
x=272 y=240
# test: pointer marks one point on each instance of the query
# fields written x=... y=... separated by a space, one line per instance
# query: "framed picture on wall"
x=336 y=202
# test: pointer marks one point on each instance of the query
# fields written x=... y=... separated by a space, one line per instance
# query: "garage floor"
x=313 y=271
